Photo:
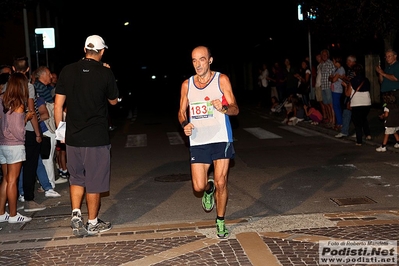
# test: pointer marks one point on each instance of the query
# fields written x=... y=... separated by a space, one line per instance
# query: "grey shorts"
x=391 y=130
x=209 y=152
x=327 y=96
x=90 y=167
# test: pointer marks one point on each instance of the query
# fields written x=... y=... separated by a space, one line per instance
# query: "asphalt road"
x=278 y=170
x=289 y=187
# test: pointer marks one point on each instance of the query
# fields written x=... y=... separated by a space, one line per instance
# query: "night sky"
x=163 y=35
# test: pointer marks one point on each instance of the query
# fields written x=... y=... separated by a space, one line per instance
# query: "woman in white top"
x=359 y=90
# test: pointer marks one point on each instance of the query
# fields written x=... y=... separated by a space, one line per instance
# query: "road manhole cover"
x=352 y=201
x=173 y=178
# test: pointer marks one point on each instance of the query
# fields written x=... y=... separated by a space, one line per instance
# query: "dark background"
x=161 y=35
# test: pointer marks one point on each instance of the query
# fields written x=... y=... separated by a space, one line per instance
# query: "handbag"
x=45 y=147
x=349 y=99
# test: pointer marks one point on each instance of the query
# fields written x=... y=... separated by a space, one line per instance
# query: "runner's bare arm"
x=227 y=90
x=182 y=115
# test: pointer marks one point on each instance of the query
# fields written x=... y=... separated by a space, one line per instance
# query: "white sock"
x=77 y=210
x=93 y=222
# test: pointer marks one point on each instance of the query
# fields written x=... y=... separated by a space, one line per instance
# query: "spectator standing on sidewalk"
x=389 y=77
x=336 y=91
x=33 y=138
x=46 y=165
x=209 y=98
x=347 y=113
x=278 y=76
x=63 y=174
x=317 y=87
x=391 y=120
x=53 y=83
x=12 y=140
x=263 y=87
x=5 y=69
x=327 y=68
x=291 y=82
x=359 y=91
x=41 y=83
x=88 y=86
x=47 y=124
x=304 y=77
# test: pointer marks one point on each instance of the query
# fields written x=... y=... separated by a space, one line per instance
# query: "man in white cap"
x=88 y=85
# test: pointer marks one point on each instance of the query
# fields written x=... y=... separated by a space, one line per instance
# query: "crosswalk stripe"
x=174 y=138
x=260 y=133
x=139 y=140
x=300 y=131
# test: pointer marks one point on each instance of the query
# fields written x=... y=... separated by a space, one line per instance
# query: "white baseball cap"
x=95 y=42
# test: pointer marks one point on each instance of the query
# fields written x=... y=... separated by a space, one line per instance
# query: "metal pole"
x=26 y=29
x=310 y=56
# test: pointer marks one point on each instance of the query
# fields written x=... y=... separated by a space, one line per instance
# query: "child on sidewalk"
x=391 y=120
x=313 y=112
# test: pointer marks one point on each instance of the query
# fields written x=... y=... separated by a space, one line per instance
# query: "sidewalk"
x=273 y=240
x=376 y=127
x=278 y=240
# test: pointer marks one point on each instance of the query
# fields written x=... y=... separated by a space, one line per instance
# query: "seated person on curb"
x=274 y=105
x=313 y=112
x=288 y=109
x=298 y=111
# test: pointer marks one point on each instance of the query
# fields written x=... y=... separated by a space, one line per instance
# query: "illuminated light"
x=153 y=77
x=126 y=23
x=300 y=15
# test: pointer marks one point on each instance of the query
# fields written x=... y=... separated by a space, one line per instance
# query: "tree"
x=356 y=20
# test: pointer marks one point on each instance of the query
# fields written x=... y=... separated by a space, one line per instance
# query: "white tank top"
x=210 y=125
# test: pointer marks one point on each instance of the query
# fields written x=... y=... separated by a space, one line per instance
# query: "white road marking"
x=260 y=133
x=300 y=131
x=175 y=138
x=139 y=140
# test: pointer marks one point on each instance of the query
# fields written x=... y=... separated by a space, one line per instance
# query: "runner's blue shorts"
x=207 y=153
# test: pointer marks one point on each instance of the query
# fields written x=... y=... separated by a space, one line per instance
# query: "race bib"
x=201 y=110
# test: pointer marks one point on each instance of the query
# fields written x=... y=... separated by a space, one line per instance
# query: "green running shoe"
x=221 y=229
x=208 y=200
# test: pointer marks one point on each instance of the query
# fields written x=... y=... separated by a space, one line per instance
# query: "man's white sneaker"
x=51 y=193
x=32 y=206
x=396 y=146
x=340 y=135
x=61 y=180
x=381 y=149
x=21 y=198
